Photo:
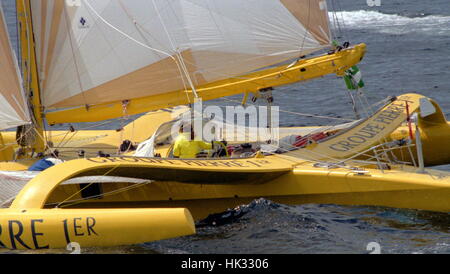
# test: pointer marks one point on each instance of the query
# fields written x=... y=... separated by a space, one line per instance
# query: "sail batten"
x=102 y=51
x=13 y=106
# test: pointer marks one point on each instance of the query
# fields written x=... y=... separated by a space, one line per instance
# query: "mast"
x=30 y=73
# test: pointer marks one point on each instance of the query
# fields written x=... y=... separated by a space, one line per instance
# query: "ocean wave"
x=264 y=226
x=393 y=23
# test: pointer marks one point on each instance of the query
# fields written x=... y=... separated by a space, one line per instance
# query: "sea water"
x=408 y=51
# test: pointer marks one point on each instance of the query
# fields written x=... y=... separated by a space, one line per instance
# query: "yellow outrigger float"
x=125 y=199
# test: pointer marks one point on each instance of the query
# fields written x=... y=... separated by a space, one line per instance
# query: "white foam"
x=392 y=23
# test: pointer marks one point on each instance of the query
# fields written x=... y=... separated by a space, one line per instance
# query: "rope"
x=136 y=41
x=69 y=31
x=88 y=185
x=183 y=65
x=308 y=25
x=336 y=20
x=138 y=28
x=123 y=33
x=107 y=194
x=344 y=33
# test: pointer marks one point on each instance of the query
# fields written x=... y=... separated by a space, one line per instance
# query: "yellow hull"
x=203 y=186
x=401 y=187
x=304 y=183
x=57 y=228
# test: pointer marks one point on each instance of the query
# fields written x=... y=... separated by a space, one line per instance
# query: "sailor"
x=46 y=162
x=243 y=150
x=186 y=147
x=127 y=146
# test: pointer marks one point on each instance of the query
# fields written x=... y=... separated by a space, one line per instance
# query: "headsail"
x=13 y=107
x=93 y=52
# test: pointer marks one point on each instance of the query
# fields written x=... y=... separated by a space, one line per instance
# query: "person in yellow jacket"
x=186 y=147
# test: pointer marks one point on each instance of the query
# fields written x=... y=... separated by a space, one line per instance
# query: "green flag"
x=353 y=78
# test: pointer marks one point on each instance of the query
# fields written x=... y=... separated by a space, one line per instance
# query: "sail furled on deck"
x=93 y=52
x=13 y=108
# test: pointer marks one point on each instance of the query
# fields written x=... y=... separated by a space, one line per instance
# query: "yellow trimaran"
x=347 y=168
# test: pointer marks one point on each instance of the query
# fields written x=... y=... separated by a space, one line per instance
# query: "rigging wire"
x=338 y=29
x=344 y=27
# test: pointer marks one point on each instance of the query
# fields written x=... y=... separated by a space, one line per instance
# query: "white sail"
x=99 y=51
x=13 y=107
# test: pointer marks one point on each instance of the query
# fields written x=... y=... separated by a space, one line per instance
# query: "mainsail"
x=13 y=107
x=95 y=52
